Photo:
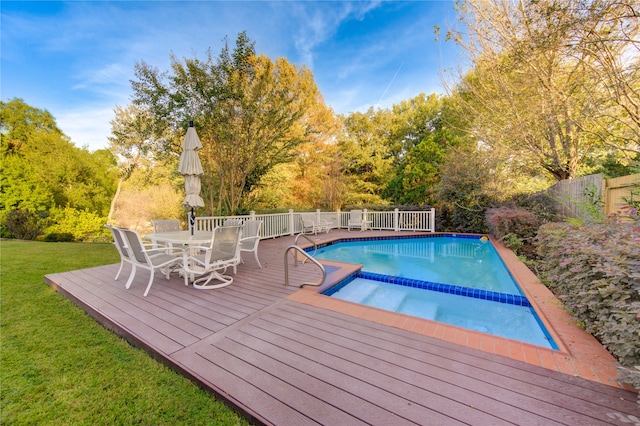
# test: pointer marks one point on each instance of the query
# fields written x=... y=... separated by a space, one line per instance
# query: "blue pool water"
x=450 y=279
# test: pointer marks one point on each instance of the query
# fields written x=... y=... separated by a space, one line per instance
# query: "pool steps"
x=512 y=299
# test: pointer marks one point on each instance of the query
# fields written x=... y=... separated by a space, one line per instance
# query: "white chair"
x=358 y=220
x=234 y=222
x=312 y=225
x=222 y=253
x=118 y=241
x=154 y=259
x=251 y=238
x=165 y=225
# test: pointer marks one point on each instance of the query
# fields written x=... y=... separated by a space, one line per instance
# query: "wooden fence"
x=574 y=196
x=616 y=190
x=590 y=196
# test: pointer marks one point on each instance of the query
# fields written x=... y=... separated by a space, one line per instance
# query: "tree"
x=367 y=157
x=42 y=171
x=20 y=121
x=554 y=81
x=419 y=141
x=464 y=191
x=250 y=113
x=143 y=163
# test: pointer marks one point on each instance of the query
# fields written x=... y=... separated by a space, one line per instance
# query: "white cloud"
x=87 y=127
x=109 y=75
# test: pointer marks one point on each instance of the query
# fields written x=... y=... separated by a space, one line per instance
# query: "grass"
x=59 y=366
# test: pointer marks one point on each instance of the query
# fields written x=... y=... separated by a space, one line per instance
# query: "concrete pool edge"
x=580 y=354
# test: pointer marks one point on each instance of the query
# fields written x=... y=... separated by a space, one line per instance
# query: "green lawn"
x=59 y=366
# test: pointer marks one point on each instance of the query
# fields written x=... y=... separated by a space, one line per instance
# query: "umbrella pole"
x=192 y=221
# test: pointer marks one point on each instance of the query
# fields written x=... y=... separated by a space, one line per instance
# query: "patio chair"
x=251 y=238
x=165 y=225
x=153 y=259
x=235 y=222
x=123 y=251
x=312 y=225
x=222 y=253
x=358 y=220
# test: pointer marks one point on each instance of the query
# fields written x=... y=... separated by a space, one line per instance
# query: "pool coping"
x=579 y=353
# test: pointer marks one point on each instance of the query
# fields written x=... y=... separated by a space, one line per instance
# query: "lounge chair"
x=153 y=259
x=251 y=238
x=312 y=225
x=222 y=253
x=358 y=220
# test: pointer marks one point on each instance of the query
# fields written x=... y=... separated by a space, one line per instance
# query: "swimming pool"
x=454 y=279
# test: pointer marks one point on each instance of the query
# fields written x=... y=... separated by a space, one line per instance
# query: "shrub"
x=515 y=227
x=24 y=224
x=513 y=242
x=540 y=204
x=595 y=271
x=81 y=225
x=502 y=221
x=63 y=237
x=456 y=218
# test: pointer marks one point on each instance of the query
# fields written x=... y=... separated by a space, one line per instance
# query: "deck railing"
x=289 y=223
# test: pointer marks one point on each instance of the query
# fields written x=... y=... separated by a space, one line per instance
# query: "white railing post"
x=292 y=224
x=252 y=215
x=396 y=222
x=432 y=220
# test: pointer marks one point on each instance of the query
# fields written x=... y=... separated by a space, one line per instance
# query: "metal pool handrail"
x=315 y=245
x=286 y=266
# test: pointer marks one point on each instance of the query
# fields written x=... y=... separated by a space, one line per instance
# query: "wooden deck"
x=280 y=359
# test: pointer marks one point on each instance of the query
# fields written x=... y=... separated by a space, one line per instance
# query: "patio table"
x=182 y=239
x=178 y=238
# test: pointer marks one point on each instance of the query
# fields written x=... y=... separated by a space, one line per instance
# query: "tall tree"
x=554 y=81
x=367 y=157
x=419 y=140
x=250 y=113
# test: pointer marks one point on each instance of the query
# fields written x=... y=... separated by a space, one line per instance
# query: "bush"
x=540 y=204
x=63 y=237
x=456 y=218
x=515 y=227
x=81 y=225
x=24 y=224
x=595 y=271
x=502 y=221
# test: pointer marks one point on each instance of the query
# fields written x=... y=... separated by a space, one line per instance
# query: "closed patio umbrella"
x=191 y=168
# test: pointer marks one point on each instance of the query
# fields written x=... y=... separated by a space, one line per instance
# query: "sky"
x=76 y=59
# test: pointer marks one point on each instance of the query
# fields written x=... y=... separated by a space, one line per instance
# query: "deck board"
x=282 y=362
x=454 y=360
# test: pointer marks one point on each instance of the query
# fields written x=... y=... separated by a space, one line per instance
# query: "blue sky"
x=76 y=59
